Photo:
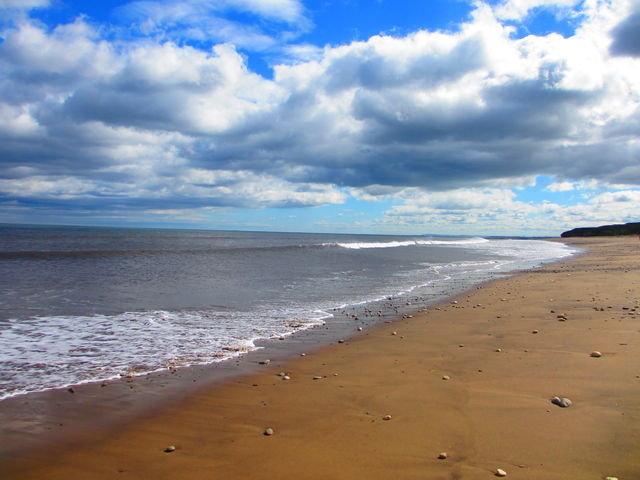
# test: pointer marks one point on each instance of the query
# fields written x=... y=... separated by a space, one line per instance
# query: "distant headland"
x=604 y=231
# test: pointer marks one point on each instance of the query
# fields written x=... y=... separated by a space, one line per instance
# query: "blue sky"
x=509 y=117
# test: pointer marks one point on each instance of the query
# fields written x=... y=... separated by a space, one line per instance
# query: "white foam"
x=41 y=353
x=407 y=243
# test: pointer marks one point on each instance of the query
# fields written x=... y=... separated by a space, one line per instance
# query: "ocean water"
x=82 y=304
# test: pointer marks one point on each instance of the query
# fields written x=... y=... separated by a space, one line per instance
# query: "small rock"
x=340 y=341
x=500 y=473
x=535 y=331
x=286 y=377
x=387 y=417
x=170 y=448
x=268 y=432
x=442 y=456
x=461 y=345
x=359 y=329
x=281 y=374
x=561 y=402
x=498 y=350
x=611 y=478
x=317 y=377
x=265 y=362
x=394 y=333
x=446 y=377
x=303 y=354
x=596 y=354
x=562 y=318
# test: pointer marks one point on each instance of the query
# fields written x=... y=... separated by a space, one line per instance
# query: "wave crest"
x=407 y=243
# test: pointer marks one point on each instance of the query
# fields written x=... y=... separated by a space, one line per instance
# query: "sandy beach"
x=472 y=377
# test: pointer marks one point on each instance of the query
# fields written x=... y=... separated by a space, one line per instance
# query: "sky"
x=504 y=117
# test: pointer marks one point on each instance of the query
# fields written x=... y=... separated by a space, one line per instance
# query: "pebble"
x=387 y=417
x=561 y=402
x=562 y=318
x=281 y=374
x=611 y=478
x=596 y=354
x=500 y=473
x=317 y=377
x=265 y=362
x=535 y=331
x=442 y=456
x=268 y=432
x=359 y=329
x=340 y=341
x=446 y=377
x=394 y=333
x=170 y=448
x=286 y=377
x=498 y=350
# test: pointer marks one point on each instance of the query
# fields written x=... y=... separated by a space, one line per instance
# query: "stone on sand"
x=596 y=354
x=500 y=473
x=561 y=402
x=268 y=432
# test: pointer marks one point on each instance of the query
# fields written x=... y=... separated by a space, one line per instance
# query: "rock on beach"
x=561 y=402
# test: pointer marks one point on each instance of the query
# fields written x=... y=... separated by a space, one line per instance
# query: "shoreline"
x=471 y=404
x=91 y=362
x=104 y=406
x=107 y=405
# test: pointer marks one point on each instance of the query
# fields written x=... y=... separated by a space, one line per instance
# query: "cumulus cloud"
x=469 y=211
x=158 y=124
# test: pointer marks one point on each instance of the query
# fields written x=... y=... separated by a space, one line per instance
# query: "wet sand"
x=468 y=377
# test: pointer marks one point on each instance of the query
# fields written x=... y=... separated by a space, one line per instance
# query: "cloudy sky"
x=368 y=116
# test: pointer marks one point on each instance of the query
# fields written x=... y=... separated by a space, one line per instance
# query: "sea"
x=87 y=304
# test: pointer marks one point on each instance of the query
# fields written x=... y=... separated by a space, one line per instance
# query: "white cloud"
x=518 y=9
x=206 y=20
x=499 y=212
x=24 y=4
x=467 y=116
x=561 y=187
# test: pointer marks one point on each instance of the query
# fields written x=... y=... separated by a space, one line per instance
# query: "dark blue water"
x=83 y=304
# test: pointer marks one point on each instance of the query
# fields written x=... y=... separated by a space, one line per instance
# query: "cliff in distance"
x=605 y=230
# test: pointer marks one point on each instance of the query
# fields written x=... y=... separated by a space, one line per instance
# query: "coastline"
x=492 y=412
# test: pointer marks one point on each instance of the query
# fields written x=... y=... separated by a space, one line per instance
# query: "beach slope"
x=473 y=378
